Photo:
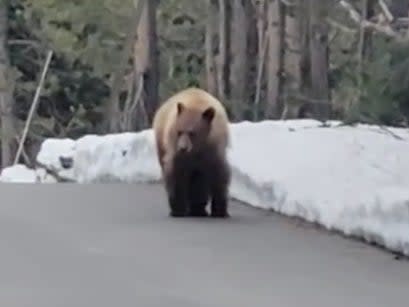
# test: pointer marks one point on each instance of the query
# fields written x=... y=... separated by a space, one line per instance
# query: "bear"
x=191 y=130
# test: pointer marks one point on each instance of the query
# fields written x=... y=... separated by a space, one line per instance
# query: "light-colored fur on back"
x=192 y=98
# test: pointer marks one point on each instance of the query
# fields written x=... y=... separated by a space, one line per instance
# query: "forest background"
x=114 y=61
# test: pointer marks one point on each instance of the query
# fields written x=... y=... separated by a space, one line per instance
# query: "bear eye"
x=179 y=133
x=191 y=134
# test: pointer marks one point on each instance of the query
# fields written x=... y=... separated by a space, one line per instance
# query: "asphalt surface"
x=114 y=245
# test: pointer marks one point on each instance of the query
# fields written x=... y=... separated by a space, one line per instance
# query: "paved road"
x=113 y=245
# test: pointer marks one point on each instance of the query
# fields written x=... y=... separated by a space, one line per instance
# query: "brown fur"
x=191 y=131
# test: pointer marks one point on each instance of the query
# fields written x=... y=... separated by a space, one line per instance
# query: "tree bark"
x=238 y=56
x=294 y=77
x=319 y=51
x=223 y=67
x=275 y=58
x=112 y=115
x=257 y=52
x=6 y=99
x=211 y=33
x=147 y=56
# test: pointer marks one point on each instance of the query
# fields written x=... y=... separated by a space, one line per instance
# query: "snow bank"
x=18 y=174
x=22 y=174
x=126 y=157
x=351 y=179
x=57 y=155
x=354 y=180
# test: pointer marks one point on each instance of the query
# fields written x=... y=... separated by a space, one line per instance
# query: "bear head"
x=192 y=128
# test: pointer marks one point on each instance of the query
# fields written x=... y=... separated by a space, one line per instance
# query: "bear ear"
x=180 y=107
x=208 y=114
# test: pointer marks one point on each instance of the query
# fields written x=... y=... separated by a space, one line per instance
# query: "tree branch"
x=33 y=106
x=355 y=16
x=385 y=10
x=112 y=109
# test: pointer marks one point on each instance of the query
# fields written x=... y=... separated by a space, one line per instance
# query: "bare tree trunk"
x=370 y=13
x=294 y=77
x=6 y=99
x=112 y=115
x=259 y=31
x=275 y=58
x=211 y=33
x=319 y=58
x=238 y=56
x=146 y=56
x=223 y=67
x=361 y=51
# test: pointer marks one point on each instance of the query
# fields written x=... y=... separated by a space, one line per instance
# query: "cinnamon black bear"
x=192 y=136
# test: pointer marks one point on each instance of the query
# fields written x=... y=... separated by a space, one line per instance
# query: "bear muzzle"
x=184 y=144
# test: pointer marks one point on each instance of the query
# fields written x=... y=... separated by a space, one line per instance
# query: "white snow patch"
x=22 y=174
x=126 y=157
x=53 y=152
x=351 y=179
x=44 y=177
x=18 y=174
